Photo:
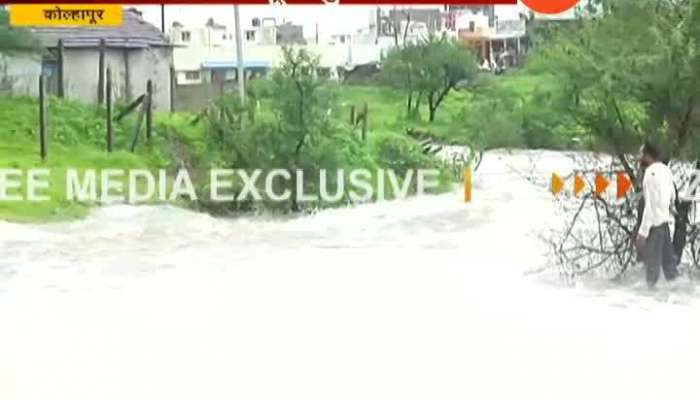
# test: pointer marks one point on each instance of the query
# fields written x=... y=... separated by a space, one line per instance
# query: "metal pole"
x=239 y=55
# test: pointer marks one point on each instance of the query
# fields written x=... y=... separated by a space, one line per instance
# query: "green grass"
x=76 y=136
x=387 y=107
x=75 y=140
x=387 y=110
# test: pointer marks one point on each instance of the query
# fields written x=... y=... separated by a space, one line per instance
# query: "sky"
x=331 y=19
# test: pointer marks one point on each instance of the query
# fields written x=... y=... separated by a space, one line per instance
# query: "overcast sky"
x=330 y=19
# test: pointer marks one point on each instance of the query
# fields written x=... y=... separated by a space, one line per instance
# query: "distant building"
x=499 y=38
x=290 y=34
x=430 y=18
x=135 y=52
x=207 y=55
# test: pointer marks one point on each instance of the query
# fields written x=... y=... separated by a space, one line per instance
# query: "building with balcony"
x=498 y=35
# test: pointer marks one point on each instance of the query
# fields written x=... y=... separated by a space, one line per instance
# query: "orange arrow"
x=601 y=184
x=624 y=184
x=579 y=184
x=557 y=184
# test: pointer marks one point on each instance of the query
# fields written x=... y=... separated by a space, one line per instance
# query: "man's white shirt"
x=659 y=195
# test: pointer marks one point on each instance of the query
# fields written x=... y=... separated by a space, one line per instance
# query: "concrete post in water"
x=42 y=117
x=468 y=184
x=109 y=110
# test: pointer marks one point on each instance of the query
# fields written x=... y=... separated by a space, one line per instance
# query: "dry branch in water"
x=596 y=235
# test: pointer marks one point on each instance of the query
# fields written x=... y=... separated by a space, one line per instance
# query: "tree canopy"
x=429 y=70
x=632 y=73
x=14 y=39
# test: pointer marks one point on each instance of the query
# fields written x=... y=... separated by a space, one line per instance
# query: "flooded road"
x=426 y=298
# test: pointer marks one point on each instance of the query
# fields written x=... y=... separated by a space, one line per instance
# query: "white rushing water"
x=425 y=298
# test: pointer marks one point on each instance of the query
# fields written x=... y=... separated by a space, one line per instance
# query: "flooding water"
x=426 y=298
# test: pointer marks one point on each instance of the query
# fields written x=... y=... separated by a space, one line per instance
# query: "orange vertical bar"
x=467 y=184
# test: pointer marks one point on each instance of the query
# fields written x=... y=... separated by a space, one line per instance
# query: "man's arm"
x=645 y=226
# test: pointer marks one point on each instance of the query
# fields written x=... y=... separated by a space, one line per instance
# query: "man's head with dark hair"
x=651 y=153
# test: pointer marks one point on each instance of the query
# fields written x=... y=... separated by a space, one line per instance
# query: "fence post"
x=109 y=110
x=42 y=117
x=139 y=122
x=101 y=74
x=173 y=84
x=149 y=110
x=59 y=69
x=365 y=113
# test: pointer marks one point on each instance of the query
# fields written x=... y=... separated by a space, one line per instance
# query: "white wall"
x=19 y=74
x=80 y=71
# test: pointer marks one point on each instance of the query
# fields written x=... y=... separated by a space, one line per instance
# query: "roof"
x=134 y=32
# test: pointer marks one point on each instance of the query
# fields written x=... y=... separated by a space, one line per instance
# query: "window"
x=185 y=36
x=192 y=75
x=472 y=26
x=249 y=35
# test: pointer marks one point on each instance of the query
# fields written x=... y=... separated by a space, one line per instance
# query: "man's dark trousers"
x=659 y=254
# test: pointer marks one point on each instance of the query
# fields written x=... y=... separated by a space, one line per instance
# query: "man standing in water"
x=654 y=235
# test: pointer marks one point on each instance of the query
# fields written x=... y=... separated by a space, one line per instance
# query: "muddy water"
x=418 y=299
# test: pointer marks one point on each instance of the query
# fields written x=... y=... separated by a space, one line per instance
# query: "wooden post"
x=364 y=122
x=139 y=122
x=127 y=76
x=173 y=84
x=109 y=110
x=101 y=74
x=42 y=117
x=352 y=115
x=149 y=110
x=59 y=69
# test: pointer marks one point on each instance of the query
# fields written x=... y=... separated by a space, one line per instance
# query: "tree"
x=429 y=70
x=14 y=39
x=446 y=63
x=400 y=70
x=632 y=73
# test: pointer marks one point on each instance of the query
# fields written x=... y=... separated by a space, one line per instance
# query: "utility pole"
x=239 y=55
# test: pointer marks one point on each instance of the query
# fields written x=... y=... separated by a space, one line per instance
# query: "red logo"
x=550 y=6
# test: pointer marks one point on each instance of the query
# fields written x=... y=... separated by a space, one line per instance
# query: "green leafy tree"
x=14 y=39
x=445 y=64
x=429 y=70
x=632 y=73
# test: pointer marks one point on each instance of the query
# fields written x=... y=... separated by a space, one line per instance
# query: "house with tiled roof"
x=134 y=52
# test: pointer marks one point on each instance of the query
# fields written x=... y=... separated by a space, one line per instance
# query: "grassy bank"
x=76 y=140
x=489 y=116
x=500 y=111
